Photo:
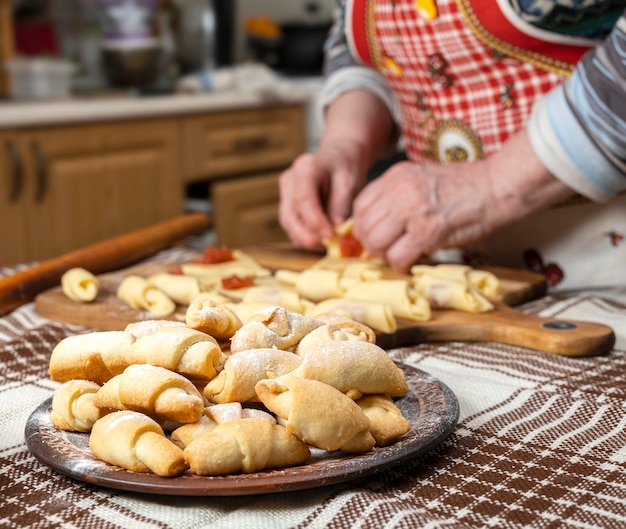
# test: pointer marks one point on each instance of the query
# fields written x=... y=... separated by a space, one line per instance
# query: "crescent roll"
x=242 y=371
x=73 y=407
x=206 y=315
x=274 y=327
x=95 y=356
x=244 y=445
x=354 y=368
x=378 y=316
x=139 y=294
x=319 y=414
x=179 y=288
x=386 y=421
x=134 y=441
x=154 y=391
x=142 y=328
x=189 y=352
x=246 y=311
x=79 y=284
x=398 y=294
x=185 y=433
x=339 y=329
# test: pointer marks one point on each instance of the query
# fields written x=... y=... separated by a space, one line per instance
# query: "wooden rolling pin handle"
x=104 y=256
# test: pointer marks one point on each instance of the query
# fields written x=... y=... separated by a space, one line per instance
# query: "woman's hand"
x=317 y=192
x=415 y=209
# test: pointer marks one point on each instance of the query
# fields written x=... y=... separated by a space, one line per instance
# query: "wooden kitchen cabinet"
x=246 y=211
x=242 y=142
x=240 y=154
x=66 y=187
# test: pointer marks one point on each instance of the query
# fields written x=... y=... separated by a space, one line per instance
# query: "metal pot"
x=204 y=33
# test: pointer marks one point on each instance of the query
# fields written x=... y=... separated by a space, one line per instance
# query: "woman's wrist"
x=520 y=183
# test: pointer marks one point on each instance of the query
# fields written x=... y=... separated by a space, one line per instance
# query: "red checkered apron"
x=467 y=74
x=463 y=89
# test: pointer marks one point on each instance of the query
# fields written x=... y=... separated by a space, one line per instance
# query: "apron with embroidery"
x=466 y=74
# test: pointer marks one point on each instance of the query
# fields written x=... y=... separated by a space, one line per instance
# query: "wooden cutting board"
x=504 y=325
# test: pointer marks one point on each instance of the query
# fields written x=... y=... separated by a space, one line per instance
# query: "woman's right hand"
x=317 y=192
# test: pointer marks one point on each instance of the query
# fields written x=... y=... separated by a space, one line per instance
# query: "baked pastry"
x=208 y=316
x=378 y=316
x=192 y=353
x=134 y=441
x=154 y=391
x=79 y=284
x=95 y=356
x=185 y=433
x=318 y=414
x=405 y=302
x=242 y=371
x=386 y=421
x=244 y=445
x=246 y=311
x=337 y=328
x=273 y=327
x=73 y=407
x=142 y=328
x=354 y=368
x=231 y=411
x=179 y=288
x=139 y=294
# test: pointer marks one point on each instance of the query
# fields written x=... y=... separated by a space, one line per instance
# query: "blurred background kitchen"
x=117 y=114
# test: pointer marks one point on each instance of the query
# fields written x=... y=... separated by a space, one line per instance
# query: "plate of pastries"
x=235 y=397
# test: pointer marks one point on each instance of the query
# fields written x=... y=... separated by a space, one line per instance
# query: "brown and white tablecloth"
x=540 y=443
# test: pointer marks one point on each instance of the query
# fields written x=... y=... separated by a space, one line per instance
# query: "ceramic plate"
x=430 y=407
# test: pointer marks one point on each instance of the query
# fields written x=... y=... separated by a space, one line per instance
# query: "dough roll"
x=79 y=284
x=139 y=294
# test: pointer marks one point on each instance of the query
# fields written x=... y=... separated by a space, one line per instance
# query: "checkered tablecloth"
x=541 y=442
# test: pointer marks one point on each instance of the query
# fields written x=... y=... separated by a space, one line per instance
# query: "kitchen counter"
x=19 y=114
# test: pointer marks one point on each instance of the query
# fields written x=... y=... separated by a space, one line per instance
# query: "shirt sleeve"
x=579 y=129
x=344 y=72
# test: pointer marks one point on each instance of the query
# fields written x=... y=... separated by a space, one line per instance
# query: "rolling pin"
x=103 y=256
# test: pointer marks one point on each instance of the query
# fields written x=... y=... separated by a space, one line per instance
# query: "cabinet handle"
x=272 y=224
x=41 y=172
x=253 y=143
x=17 y=171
